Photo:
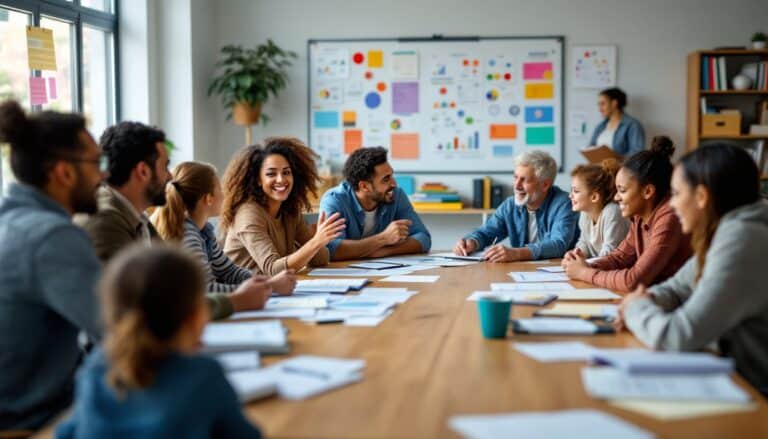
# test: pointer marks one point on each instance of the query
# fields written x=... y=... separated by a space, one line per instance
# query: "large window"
x=85 y=80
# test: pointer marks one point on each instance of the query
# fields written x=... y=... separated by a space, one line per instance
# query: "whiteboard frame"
x=439 y=38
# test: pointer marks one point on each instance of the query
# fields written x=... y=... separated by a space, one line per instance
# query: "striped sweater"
x=222 y=275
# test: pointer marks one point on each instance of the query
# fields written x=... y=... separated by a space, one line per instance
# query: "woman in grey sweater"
x=721 y=294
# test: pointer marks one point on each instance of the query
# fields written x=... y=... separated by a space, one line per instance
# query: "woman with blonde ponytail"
x=601 y=224
x=192 y=197
x=149 y=380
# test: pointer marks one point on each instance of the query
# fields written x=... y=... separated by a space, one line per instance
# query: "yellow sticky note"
x=40 y=49
x=375 y=59
x=539 y=90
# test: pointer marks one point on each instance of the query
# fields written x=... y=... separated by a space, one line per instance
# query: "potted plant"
x=245 y=79
x=759 y=40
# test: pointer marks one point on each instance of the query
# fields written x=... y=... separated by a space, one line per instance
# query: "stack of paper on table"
x=474 y=257
x=308 y=375
x=334 y=286
x=549 y=352
x=412 y=279
x=252 y=384
x=356 y=311
x=285 y=313
x=587 y=294
x=549 y=287
x=232 y=361
x=535 y=276
x=639 y=361
x=267 y=337
x=427 y=261
x=517 y=297
x=550 y=425
x=611 y=383
x=558 y=326
x=584 y=311
x=399 y=295
x=555 y=269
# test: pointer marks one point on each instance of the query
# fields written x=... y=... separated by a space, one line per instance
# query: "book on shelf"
x=438 y=206
x=487 y=184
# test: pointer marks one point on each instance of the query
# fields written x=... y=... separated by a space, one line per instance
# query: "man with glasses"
x=137 y=157
x=50 y=270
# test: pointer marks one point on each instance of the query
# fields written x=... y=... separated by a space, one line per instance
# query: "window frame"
x=80 y=16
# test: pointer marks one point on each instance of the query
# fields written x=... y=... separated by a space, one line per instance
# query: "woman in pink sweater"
x=655 y=247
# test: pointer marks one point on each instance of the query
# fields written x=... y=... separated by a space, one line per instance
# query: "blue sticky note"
x=326 y=119
x=538 y=114
x=406 y=183
x=503 y=150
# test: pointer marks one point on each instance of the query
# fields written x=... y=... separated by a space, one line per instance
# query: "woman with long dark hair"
x=721 y=294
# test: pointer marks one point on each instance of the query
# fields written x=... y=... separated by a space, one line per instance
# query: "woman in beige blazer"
x=266 y=190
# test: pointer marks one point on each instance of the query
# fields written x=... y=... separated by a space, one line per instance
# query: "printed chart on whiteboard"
x=442 y=105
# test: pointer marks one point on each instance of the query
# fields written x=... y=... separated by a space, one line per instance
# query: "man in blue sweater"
x=50 y=269
x=538 y=219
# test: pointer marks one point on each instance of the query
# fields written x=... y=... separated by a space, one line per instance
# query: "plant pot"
x=246 y=114
x=758 y=45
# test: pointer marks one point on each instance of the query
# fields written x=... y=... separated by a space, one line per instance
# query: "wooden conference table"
x=428 y=361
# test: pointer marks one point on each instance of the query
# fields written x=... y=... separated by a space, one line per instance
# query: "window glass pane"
x=98 y=79
x=101 y=5
x=63 y=41
x=14 y=76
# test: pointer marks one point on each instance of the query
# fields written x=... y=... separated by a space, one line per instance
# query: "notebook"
x=267 y=337
x=251 y=385
x=583 y=311
x=642 y=361
x=559 y=326
x=517 y=297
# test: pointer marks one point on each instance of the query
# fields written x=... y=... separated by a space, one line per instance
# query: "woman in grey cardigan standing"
x=721 y=294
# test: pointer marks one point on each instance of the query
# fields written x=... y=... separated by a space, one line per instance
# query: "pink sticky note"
x=52 y=88
x=37 y=93
x=537 y=70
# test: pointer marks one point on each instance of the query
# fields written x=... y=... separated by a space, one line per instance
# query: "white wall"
x=653 y=39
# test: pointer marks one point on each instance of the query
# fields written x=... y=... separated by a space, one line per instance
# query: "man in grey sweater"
x=50 y=269
x=727 y=305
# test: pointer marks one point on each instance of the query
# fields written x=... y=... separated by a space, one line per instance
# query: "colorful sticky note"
x=540 y=135
x=404 y=146
x=539 y=114
x=537 y=70
x=375 y=59
x=326 y=119
x=349 y=119
x=52 y=93
x=37 y=93
x=503 y=131
x=539 y=90
x=503 y=150
x=405 y=97
x=41 y=53
x=353 y=140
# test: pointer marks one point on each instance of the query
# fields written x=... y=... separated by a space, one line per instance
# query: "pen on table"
x=495 y=238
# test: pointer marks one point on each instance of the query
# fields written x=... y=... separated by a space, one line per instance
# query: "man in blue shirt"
x=538 y=219
x=50 y=269
x=380 y=219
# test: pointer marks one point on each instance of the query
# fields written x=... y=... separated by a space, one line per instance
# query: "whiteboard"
x=439 y=105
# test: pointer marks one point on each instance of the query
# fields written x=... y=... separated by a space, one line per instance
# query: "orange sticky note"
x=375 y=59
x=349 y=118
x=404 y=146
x=353 y=140
x=503 y=131
x=539 y=90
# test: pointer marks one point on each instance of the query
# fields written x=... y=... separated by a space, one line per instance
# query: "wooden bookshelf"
x=735 y=98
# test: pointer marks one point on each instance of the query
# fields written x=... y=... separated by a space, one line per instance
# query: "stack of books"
x=436 y=196
x=713 y=76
